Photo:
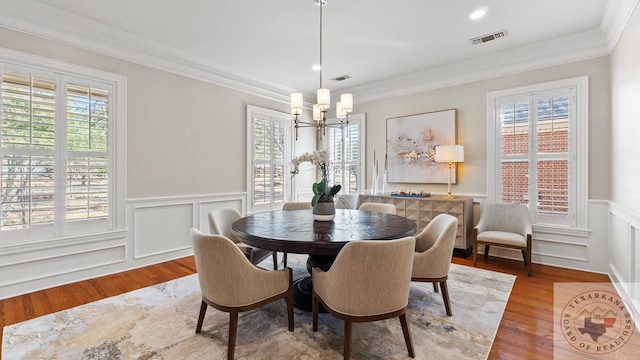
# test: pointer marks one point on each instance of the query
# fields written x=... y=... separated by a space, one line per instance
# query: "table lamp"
x=450 y=154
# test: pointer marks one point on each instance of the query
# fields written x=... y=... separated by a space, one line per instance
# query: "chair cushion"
x=501 y=237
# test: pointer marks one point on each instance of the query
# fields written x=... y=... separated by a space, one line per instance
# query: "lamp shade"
x=340 y=112
x=296 y=103
x=317 y=116
x=347 y=102
x=324 y=99
x=446 y=153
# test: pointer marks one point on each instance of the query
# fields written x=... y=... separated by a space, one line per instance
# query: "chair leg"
x=347 y=339
x=233 y=329
x=289 y=300
x=474 y=249
x=284 y=260
x=435 y=287
x=407 y=335
x=530 y=265
x=445 y=297
x=315 y=307
x=203 y=310
x=275 y=260
x=486 y=250
x=524 y=256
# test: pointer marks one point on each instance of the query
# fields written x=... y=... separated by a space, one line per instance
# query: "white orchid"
x=321 y=191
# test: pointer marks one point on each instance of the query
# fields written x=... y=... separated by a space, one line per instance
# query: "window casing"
x=62 y=174
x=269 y=142
x=346 y=152
x=536 y=153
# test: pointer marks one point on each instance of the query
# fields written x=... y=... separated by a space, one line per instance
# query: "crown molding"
x=563 y=50
x=44 y=21
x=615 y=19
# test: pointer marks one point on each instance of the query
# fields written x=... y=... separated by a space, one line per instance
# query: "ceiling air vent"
x=341 y=78
x=489 y=37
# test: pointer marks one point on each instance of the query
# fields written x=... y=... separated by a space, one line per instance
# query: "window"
x=345 y=151
x=58 y=152
x=269 y=142
x=537 y=150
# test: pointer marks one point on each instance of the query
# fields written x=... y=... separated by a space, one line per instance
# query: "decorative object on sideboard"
x=343 y=107
x=411 y=143
x=410 y=193
x=451 y=154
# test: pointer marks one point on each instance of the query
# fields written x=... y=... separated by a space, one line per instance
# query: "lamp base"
x=448 y=197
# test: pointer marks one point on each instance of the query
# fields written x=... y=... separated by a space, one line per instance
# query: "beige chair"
x=434 y=248
x=230 y=283
x=378 y=207
x=504 y=225
x=220 y=221
x=368 y=281
x=290 y=206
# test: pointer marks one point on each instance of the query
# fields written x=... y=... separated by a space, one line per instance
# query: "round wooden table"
x=297 y=232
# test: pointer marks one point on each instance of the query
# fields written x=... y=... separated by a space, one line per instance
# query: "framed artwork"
x=411 y=144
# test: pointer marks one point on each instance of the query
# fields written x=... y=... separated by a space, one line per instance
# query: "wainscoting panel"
x=624 y=254
x=157 y=230
x=162 y=228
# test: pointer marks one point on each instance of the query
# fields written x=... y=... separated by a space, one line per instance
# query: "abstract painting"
x=411 y=144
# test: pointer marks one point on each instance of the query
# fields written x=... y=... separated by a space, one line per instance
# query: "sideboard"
x=423 y=209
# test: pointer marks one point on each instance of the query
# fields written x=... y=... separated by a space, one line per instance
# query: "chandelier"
x=323 y=101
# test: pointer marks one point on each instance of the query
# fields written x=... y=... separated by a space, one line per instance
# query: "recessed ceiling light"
x=316 y=67
x=478 y=14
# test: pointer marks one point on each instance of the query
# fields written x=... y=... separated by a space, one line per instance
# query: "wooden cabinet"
x=423 y=210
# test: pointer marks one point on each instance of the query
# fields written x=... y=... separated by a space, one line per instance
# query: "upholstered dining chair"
x=378 y=207
x=368 y=281
x=504 y=225
x=290 y=206
x=230 y=283
x=432 y=257
x=220 y=221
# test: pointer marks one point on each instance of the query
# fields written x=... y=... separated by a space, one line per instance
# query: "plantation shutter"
x=28 y=149
x=536 y=161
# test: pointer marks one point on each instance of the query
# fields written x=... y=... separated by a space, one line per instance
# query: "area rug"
x=159 y=322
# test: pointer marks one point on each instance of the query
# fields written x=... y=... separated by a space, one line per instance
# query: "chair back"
x=513 y=218
x=442 y=229
x=369 y=277
x=434 y=247
x=289 y=206
x=378 y=207
x=220 y=221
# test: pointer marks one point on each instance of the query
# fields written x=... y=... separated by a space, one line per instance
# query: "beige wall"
x=470 y=102
x=625 y=133
x=184 y=136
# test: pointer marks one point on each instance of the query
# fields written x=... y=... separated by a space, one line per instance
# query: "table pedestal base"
x=303 y=288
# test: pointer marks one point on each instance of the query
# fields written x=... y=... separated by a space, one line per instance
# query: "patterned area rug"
x=159 y=322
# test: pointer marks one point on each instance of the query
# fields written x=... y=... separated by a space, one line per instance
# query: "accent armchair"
x=368 y=281
x=230 y=283
x=504 y=225
x=432 y=257
x=220 y=221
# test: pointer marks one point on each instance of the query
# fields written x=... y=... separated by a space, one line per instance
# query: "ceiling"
x=268 y=47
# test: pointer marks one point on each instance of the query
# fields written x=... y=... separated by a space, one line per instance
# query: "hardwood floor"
x=526 y=330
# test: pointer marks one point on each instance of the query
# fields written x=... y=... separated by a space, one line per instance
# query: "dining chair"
x=433 y=252
x=504 y=225
x=230 y=283
x=220 y=221
x=378 y=207
x=290 y=206
x=368 y=281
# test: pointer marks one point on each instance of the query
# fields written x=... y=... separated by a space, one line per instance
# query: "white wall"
x=624 y=214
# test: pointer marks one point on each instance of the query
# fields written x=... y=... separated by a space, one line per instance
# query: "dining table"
x=297 y=232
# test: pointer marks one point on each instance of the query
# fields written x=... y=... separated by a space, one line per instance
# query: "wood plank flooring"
x=526 y=330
